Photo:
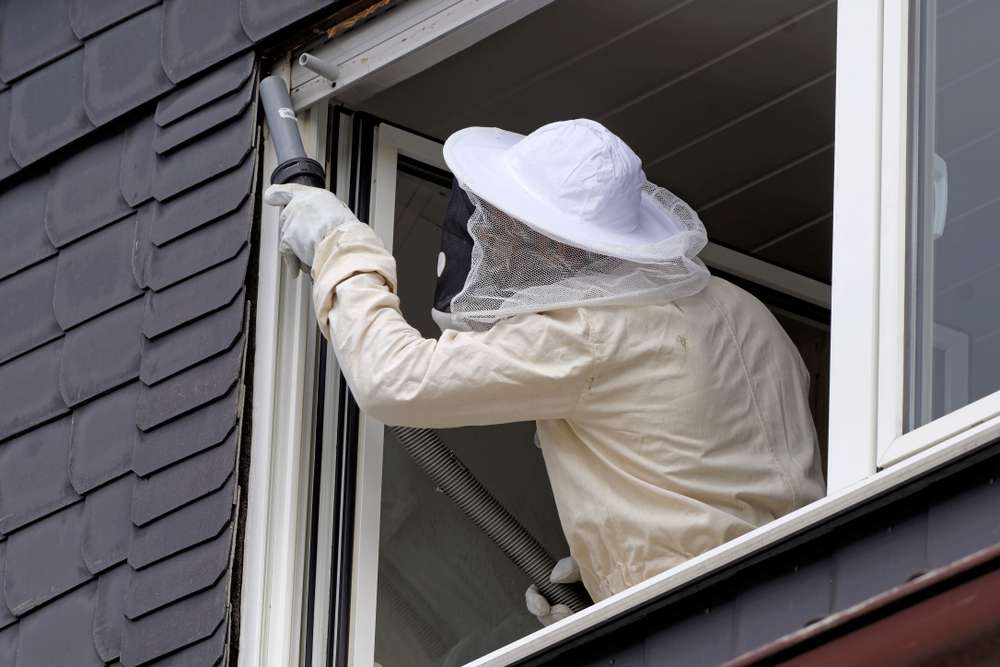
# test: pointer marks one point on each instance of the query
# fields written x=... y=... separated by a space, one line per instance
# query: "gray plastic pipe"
x=441 y=464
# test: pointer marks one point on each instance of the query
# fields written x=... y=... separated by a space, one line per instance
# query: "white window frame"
x=867 y=183
x=894 y=443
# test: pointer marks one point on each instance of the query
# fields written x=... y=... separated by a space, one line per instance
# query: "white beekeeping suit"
x=671 y=407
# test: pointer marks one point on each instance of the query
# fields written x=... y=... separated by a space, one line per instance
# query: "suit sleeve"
x=528 y=367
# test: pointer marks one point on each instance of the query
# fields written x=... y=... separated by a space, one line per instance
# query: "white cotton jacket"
x=666 y=429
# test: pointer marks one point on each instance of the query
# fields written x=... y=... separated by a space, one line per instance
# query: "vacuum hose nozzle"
x=293 y=165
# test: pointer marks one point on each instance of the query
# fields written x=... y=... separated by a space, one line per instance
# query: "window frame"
x=869 y=216
x=901 y=133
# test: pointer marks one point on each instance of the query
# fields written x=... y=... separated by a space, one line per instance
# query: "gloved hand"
x=308 y=216
x=566 y=571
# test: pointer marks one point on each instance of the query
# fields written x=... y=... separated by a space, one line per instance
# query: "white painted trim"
x=326 y=522
x=894 y=182
x=412 y=37
x=390 y=143
x=717 y=559
x=281 y=452
x=767 y=275
x=854 y=292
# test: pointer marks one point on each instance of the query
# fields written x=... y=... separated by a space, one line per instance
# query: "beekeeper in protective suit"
x=671 y=407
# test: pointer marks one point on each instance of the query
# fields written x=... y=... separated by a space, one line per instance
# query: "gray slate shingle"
x=262 y=17
x=138 y=162
x=33 y=33
x=205 y=427
x=8 y=165
x=121 y=67
x=26 y=303
x=29 y=389
x=207 y=88
x=209 y=651
x=34 y=481
x=95 y=274
x=109 y=611
x=186 y=346
x=217 y=197
x=73 y=644
x=195 y=297
x=197 y=251
x=171 y=579
x=101 y=354
x=203 y=158
x=8 y=645
x=46 y=110
x=84 y=194
x=6 y=616
x=181 y=624
x=23 y=240
x=88 y=17
x=107 y=529
x=179 y=485
x=205 y=119
x=44 y=560
x=190 y=389
x=193 y=524
x=103 y=435
x=189 y=47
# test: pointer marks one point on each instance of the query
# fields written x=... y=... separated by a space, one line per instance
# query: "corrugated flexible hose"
x=453 y=479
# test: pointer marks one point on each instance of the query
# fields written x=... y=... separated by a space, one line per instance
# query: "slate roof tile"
x=107 y=528
x=185 y=482
x=26 y=304
x=204 y=120
x=191 y=210
x=196 y=296
x=193 y=524
x=171 y=579
x=202 y=249
x=88 y=17
x=101 y=354
x=34 y=481
x=138 y=162
x=22 y=230
x=8 y=645
x=187 y=346
x=109 y=614
x=207 y=88
x=208 y=651
x=261 y=18
x=189 y=390
x=95 y=274
x=179 y=625
x=33 y=33
x=191 y=46
x=6 y=617
x=103 y=435
x=8 y=165
x=205 y=427
x=29 y=389
x=46 y=111
x=122 y=68
x=44 y=560
x=73 y=644
x=84 y=194
x=203 y=158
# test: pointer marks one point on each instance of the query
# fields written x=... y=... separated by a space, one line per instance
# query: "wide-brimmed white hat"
x=573 y=181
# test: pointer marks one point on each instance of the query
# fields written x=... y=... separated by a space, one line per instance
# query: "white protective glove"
x=308 y=215
x=566 y=571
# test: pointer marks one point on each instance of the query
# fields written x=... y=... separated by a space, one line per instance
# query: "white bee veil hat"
x=565 y=217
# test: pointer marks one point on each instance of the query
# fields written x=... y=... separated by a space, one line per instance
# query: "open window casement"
x=939 y=332
x=348 y=544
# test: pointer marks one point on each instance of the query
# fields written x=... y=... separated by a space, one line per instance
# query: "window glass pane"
x=446 y=595
x=953 y=312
